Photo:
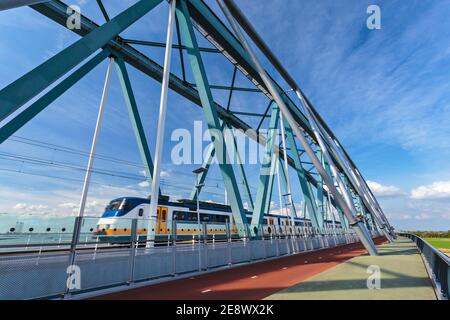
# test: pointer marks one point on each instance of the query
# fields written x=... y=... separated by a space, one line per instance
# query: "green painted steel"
x=39 y=105
x=34 y=82
x=202 y=176
x=210 y=22
x=207 y=163
x=284 y=178
x=308 y=196
x=274 y=162
x=342 y=217
x=241 y=171
x=57 y=12
x=209 y=110
x=321 y=209
x=267 y=171
x=135 y=118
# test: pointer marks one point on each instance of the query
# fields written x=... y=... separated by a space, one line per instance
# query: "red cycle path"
x=249 y=282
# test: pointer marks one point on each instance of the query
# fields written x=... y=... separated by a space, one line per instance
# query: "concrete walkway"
x=403 y=277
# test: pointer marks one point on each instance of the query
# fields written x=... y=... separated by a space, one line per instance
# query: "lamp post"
x=198 y=186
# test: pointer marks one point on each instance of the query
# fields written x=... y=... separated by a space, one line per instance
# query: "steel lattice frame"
x=105 y=41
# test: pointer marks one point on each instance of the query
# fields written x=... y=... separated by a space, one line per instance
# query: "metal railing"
x=438 y=264
x=40 y=259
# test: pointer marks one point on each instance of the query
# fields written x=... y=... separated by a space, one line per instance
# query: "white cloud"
x=144 y=184
x=165 y=173
x=70 y=205
x=20 y=206
x=384 y=191
x=436 y=190
x=422 y=216
x=34 y=208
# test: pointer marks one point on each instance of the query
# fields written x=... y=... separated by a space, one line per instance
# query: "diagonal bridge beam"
x=57 y=11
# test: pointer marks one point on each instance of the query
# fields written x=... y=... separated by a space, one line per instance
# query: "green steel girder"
x=19 y=92
x=33 y=83
x=305 y=186
x=320 y=195
x=39 y=105
x=266 y=173
x=210 y=112
x=274 y=163
x=207 y=163
x=202 y=176
x=284 y=177
x=240 y=168
x=57 y=11
x=342 y=217
x=216 y=29
x=135 y=118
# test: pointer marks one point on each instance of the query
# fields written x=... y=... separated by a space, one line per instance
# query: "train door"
x=161 y=225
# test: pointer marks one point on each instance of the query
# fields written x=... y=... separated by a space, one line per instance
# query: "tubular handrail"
x=438 y=263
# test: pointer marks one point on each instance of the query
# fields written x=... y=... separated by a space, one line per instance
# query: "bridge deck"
x=403 y=276
x=254 y=281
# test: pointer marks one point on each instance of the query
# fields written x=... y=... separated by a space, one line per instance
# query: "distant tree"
x=431 y=234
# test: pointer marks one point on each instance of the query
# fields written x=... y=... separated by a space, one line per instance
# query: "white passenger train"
x=114 y=225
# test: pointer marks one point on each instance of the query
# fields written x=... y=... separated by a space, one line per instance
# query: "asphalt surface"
x=249 y=282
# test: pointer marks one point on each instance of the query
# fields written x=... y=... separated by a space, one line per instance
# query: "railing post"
x=133 y=243
x=73 y=245
x=227 y=226
x=263 y=242
x=205 y=243
x=247 y=241
x=174 y=246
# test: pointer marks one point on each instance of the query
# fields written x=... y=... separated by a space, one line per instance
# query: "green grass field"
x=440 y=243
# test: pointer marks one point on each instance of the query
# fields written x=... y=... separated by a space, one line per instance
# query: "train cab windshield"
x=114 y=205
x=117 y=208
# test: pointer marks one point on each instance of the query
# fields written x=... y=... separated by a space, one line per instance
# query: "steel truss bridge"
x=306 y=140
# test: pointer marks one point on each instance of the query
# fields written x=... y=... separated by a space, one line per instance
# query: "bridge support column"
x=90 y=164
x=154 y=193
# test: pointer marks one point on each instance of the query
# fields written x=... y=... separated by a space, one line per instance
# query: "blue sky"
x=385 y=93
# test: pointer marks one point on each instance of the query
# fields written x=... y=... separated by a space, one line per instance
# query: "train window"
x=180 y=215
x=205 y=217
x=126 y=205
x=265 y=221
x=192 y=216
x=163 y=214
x=141 y=212
x=113 y=205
